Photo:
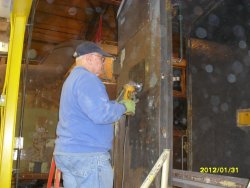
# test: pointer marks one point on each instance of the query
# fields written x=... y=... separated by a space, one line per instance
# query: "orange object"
x=54 y=172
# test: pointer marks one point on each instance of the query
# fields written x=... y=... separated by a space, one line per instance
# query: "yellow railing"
x=19 y=17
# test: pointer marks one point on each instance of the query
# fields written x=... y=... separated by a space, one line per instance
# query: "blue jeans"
x=87 y=170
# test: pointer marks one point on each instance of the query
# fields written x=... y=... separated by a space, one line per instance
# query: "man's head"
x=90 y=56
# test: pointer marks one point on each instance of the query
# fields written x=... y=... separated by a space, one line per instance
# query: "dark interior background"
x=219 y=67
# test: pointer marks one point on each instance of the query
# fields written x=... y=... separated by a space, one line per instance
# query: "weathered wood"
x=77 y=3
x=33 y=175
x=112 y=2
x=58 y=21
x=58 y=28
x=62 y=10
x=51 y=36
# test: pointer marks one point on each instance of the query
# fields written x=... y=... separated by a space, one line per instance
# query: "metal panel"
x=132 y=17
x=145 y=52
x=219 y=72
x=217 y=94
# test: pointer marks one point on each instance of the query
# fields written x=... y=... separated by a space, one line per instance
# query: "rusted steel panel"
x=142 y=145
x=144 y=56
x=133 y=15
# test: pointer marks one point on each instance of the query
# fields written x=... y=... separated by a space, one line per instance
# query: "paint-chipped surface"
x=142 y=64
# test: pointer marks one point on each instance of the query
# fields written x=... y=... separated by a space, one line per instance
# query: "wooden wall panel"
x=51 y=36
x=58 y=21
x=58 y=28
x=63 y=10
x=78 y=3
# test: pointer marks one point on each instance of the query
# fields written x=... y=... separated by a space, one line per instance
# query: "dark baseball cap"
x=88 y=47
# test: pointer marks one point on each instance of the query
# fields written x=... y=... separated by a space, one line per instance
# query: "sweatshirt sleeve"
x=94 y=101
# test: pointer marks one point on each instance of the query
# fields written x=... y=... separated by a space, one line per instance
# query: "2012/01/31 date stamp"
x=219 y=170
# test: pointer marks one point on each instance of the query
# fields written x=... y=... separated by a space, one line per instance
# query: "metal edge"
x=120 y=8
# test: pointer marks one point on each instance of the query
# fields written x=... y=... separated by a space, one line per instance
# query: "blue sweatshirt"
x=85 y=115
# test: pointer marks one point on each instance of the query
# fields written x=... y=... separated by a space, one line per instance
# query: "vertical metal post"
x=166 y=93
x=19 y=15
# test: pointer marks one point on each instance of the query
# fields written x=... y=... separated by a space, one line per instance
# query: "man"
x=85 y=130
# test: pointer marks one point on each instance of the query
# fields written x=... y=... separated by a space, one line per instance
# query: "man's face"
x=97 y=63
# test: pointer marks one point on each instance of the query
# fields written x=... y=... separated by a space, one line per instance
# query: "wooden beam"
x=4 y=25
x=51 y=36
x=58 y=28
x=111 y=2
x=4 y=36
x=111 y=49
x=108 y=34
x=62 y=10
x=58 y=21
x=77 y=3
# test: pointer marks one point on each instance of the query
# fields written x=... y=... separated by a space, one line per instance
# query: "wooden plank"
x=33 y=175
x=77 y=3
x=43 y=18
x=109 y=35
x=108 y=70
x=179 y=133
x=51 y=36
x=112 y=2
x=4 y=25
x=59 y=28
x=62 y=10
x=110 y=48
x=4 y=36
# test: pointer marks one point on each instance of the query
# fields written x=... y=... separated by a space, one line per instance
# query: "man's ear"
x=89 y=58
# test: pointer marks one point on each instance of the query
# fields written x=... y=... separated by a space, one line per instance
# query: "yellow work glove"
x=130 y=106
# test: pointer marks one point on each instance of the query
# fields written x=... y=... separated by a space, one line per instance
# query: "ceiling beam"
x=59 y=28
x=58 y=21
x=62 y=11
x=51 y=36
x=73 y=3
x=111 y=2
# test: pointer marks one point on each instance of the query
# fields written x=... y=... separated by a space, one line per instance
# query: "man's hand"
x=130 y=106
